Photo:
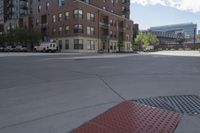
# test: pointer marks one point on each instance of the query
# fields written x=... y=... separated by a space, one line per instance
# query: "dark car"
x=1 y=49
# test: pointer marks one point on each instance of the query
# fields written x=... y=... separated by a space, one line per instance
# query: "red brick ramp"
x=131 y=117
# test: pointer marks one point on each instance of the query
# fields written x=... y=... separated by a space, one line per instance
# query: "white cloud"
x=188 y=5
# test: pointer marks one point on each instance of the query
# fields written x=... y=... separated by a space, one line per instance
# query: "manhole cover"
x=186 y=104
x=155 y=102
x=132 y=117
x=189 y=104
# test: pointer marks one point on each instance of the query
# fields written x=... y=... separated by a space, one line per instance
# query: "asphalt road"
x=54 y=94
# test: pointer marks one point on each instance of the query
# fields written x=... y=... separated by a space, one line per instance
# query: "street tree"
x=20 y=36
x=145 y=40
x=2 y=39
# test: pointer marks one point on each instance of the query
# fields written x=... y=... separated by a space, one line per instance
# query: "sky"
x=149 y=13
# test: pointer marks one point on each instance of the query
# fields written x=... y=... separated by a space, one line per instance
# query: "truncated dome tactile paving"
x=132 y=117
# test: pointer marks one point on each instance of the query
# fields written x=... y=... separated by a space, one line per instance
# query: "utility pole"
x=98 y=30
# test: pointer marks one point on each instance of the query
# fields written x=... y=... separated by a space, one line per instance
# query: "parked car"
x=9 y=49
x=1 y=49
x=46 y=47
x=149 y=49
x=20 y=48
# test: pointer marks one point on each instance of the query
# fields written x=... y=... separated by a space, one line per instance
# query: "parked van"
x=46 y=47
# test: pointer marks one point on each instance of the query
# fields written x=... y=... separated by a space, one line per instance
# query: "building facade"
x=2 y=15
x=15 y=13
x=189 y=29
x=84 y=25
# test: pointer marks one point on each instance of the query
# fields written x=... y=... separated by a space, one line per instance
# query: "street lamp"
x=98 y=29
x=194 y=38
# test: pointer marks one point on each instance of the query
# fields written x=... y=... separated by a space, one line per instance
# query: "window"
x=90 y=30
x=54 y=31
x=60 y=17
x=39 y=8
x=37 y=21
x=54 y=18
x=78 y=14
x=78 y=44
x=111 y=33
x=123 y=1
x=60 y=30
x=66 y=44
x=61 y=2
x=111 y=46
x=60 y=44
x=127 y=37
x=91 y=45
x=90 y=17
x=123 y=8
x=47 y=6
x=78 y=28
x=67 y=29
x=66 y=15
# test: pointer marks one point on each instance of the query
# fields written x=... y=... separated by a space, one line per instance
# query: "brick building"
x=84 y=25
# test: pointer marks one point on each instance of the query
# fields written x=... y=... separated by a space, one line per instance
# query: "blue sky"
x=157 y=14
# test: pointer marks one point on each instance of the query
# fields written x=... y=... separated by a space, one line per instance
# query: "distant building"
x=189 y=29
x=165 y=38
x=15 y=13
x=135 y=30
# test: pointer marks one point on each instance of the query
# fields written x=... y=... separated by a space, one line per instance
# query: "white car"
x=19 y=48
x=46 y=47
x=149 y=49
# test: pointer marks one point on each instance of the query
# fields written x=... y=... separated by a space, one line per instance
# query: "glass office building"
x=189 y=29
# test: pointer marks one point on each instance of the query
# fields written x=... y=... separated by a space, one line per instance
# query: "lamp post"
x=98 y=30
x=98 y=23
x=194 y=38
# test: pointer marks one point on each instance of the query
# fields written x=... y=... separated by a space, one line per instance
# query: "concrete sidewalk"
x=177 y=53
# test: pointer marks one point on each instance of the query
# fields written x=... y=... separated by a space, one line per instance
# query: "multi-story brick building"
x=15 y=13
x=84 y=25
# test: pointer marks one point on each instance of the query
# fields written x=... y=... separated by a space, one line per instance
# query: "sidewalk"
x=176 y=53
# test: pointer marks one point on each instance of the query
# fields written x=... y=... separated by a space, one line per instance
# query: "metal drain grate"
x=186 y=104
x=189 y=104
x=132 y=117
x=155 y=102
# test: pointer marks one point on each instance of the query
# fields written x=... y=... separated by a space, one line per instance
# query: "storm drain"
x=186 y=104
x=189 y=104
x=132 y=117
x=155 y=102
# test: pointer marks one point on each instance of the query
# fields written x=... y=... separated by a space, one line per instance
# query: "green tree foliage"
x=20 y=36
x=145 y=40
x=2 y=39
x=134 y=45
